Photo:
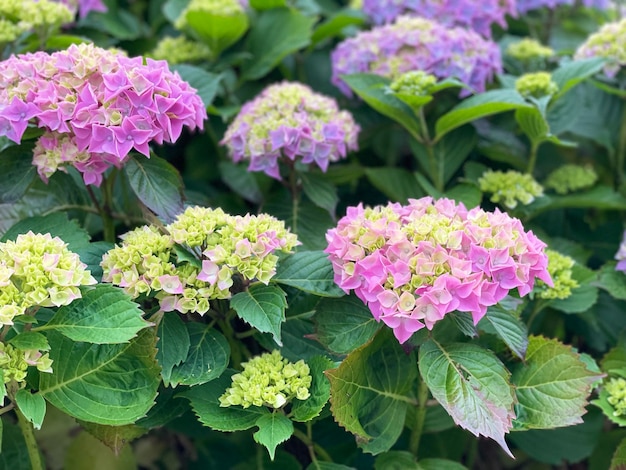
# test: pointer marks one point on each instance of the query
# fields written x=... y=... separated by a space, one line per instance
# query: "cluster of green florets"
x=198 y=258
x=528 y=49
x=38 y=270
x=179 y=49
x=608 y=43
x=42 y=16
x=616 y=388
x=215 y=7
x=560 y=270
x=415 y=82
x=536 y=85
x=510 y=188
x=570 y=178
x=268 y=380
x=14 y=362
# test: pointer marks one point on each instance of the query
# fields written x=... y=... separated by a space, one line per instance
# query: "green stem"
x=31 y=443
x=229 y=333
x=416 y=434
x=435 y=175
x=533 y=158
x=314 y=449
x=621 y=150
x=295 y=197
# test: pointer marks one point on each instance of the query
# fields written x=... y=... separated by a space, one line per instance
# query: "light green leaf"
x=205 y=83
x=320 y=191
x=467 y=193
x=582 y=297
x=333 y=26
x=571 y=74
x=173 y=344
x=472 y=385
x=310 y=271
x=344 y=324
x=206 y=404
x=397 y=184
x=479 y=106
x=507 y=326
x=56 y=224
x=87 y=453
x=273 y=429
x=241 y=181
x=104 y=315
x=533 y=124
x=216 y=30
x=17 y=172
x=30 y=340
x=263 y=307
x=371 y=89
x=618 y=462
x=209 y=353
x=267 y=4
x=552 y=386
x=370 y=392
x=157 y=184
x=32 y=406
x=276 y=34
x=111 y=384
x=306 y=410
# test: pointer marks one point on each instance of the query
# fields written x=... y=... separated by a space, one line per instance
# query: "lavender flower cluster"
x=524 y=6
x=414 y=43
x=414 y=264
x=83 y=7
x=95 y=106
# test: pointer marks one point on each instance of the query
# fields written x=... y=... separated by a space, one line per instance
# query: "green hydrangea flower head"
x=9 y=31
x=608 y=42
x=510 y=188
x=180 y=49
x=415 y=82
x=44 y=15
x=560 y=270
x=216 y=7
x=14 y=362
x=616 y=388
x=569 y=178
x=536 y=84
x=528 y=49
x=268 y=380
x=38 y=270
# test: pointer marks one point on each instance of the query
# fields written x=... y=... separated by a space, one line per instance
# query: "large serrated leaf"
x=172 y=345
x=507 y=327
x=273 y=429
x=552 y=386
x=472 y=385
x=306 y=410
x=112 y=384
x=56 y=224
x=310 y=271
x=370 y=392
x=263 y=307
x=104 y=315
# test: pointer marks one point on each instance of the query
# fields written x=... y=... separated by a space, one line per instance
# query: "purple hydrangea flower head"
x=478 y=16
x=414 y=264
x=607 y=42
x=95 y=106
x=620 y=256
x=83 y=7
x=414 y=43
x=290 y=121
x=524 y=6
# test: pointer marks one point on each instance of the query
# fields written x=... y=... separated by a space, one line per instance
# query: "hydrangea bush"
x=312 y=235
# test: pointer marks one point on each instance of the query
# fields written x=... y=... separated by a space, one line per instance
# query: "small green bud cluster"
x=179 y=49
x=570 y=178
x=38 y=270
x=18 y=17
x=510 y=187
x=528 y=49
x=616 y=388
x=560 y=270
x=268 y=380
x=215 y=7
x=213 y=247
x=415 y=82
x=14 y=362
x=536 y=84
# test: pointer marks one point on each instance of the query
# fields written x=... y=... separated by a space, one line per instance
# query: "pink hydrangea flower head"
x=95 y=106
x=470 y=14
x=414 y=264
x=290 y=121
x=524 y=6
x=415 y=43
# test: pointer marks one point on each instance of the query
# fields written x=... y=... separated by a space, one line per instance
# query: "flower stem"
x=31 y=444
x=422 y=397
x=435 y=175
x=534 y=148
x=315 y=450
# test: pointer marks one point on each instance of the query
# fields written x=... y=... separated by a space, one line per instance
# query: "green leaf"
x=206 y=404
x=14 y=455
x=571 y=74
x=602 y=402
x=172 y=9
x=273 y=429
x=333 y=26
x=168 y=407
x=91 y=254
x=56 y=224
x=618 y=462
x=241 y=181
x=32 y=406
x=614 y=362
x=16 y=172
x=30 y=340
x=111 y=384
x=267 y=4
x=276 y=34
x=173 y=344
x=306 y=410
x=322 y=465
x=371 y=89
x=599 y=197
x=439 y=464
x=205 y=83
x=157 y=184
x=320 y=191
x=310 y=271
x=507 y=327
x=581 y=300
x=263 y=307
x=216 y=30
x=612 y=281
x=114 y=437
x=344 y=324
x=209 y=353
x=552 y=386
x=468 y=194
x=472 y=385
x=533 y=124
x=479 y=106
x=297 y=342
x=85 y=452
x=396 y=460
x=397 y=184
x=104 y=315
x=120 y=24
x=370 y=392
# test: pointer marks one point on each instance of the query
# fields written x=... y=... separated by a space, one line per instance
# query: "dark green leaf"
x=16 y=172
x=32 y=406
x=396 y=460
x=333 y=26
x=263 y=307
x=507 y=326
x=612 y=281
x=320 y=191
x=397 y=184
x=618 y=462
x=306 y=410
x=173 y=344
x=273 y=429
x=91 y=254
x=241 y=181
x=468 y=194
x=310 y=271
x=204 y=82
x=439 y=464
x=14 y=455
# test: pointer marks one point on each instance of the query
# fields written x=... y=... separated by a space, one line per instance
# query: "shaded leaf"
x=507 y=327
x=310 y=271
x=618 y=462
x=320 y=191
x=397 y=184
x=172 y=345
x=306 y=410
x=241 y=181
x=114 y=437
x=205 y=83
x=396 y=460
x=17 y=172
x=263 y=307
x=333 y=26
x=612 y=281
